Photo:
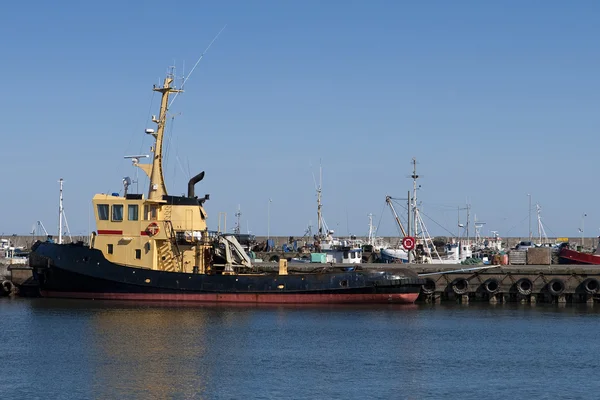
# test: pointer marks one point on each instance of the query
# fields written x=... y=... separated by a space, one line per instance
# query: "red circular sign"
x=408 y=242
x=152 y=229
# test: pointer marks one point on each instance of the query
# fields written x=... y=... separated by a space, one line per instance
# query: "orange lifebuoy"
x=152 y=229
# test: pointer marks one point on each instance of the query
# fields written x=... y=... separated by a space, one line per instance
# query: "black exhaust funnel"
x=193 y=182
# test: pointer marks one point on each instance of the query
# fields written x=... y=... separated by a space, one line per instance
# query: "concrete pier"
x=559 y=283
x=522 y=284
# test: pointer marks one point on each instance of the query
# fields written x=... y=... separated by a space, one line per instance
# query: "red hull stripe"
x=109 y=232
x=398 y=298
x=144 y=233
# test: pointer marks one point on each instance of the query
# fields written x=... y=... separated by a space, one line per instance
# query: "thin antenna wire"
x=197 y=62
x=179 y=163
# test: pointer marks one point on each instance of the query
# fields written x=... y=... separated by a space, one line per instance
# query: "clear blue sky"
x=495 y=99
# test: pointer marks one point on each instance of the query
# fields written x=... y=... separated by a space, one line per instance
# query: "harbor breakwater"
x=278 y=241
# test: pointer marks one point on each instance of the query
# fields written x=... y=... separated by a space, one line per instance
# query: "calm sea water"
x=71 y=349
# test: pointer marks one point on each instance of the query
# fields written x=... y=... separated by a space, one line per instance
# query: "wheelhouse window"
x=103 y=212
x=150 y=212
x=117 y=212
x=132 y=212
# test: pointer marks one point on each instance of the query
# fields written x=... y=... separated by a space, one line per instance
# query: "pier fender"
x=524 y=286
x=428 y=287
x=555 y=287
x=491 y=286
x=460 y=286
x=591 y=285
x=7 y=287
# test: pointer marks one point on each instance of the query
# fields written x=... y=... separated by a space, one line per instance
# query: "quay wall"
x=551 y=284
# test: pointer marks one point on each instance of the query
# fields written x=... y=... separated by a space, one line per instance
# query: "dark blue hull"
x=78 y=271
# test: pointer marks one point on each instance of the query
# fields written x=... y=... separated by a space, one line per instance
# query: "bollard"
x=283 y=267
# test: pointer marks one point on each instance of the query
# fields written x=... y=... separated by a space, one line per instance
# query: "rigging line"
x=179 y=163
x=168 y=146
x=147 y=118
x=437 y=223
x=195 y=65
x=441 y=205
x=431 y=219
x=523 y=220
x=380 y=217
x=546 y=226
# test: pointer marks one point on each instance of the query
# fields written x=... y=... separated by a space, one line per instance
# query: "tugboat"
x=157 y=247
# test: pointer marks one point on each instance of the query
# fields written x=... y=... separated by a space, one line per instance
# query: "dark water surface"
x=72 y=349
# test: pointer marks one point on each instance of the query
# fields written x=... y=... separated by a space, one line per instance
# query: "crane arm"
x=388 y=200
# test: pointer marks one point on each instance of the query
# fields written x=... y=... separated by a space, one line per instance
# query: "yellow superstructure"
x=156 y=231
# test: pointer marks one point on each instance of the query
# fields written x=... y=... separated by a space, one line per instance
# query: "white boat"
x=339 y=251
x=394 y=255
x=11 y=255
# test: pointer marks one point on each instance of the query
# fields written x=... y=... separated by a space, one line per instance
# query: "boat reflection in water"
x=126 y=349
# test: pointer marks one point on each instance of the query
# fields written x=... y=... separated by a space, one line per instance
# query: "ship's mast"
x=371 y=234
x=154 y=171
x=60 y=212
x=238 y=215
x=414 y=176
x=541 y=231
x=319 y=205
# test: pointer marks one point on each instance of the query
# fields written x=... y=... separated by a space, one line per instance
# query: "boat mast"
x=238 y=215
x=541 y=231
x=154 y=171
x=537 y=206
x=319 y=205
x=530 y=232
x=370 y=240
x=414 y=176
x=468 y=223
x=60 y=211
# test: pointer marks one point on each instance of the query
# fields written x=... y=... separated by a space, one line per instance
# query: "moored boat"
x=158 y=247
x=568 y=256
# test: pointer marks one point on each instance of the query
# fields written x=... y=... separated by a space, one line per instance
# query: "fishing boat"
x=12 y=255
x=569 y=256
x=158 y=247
